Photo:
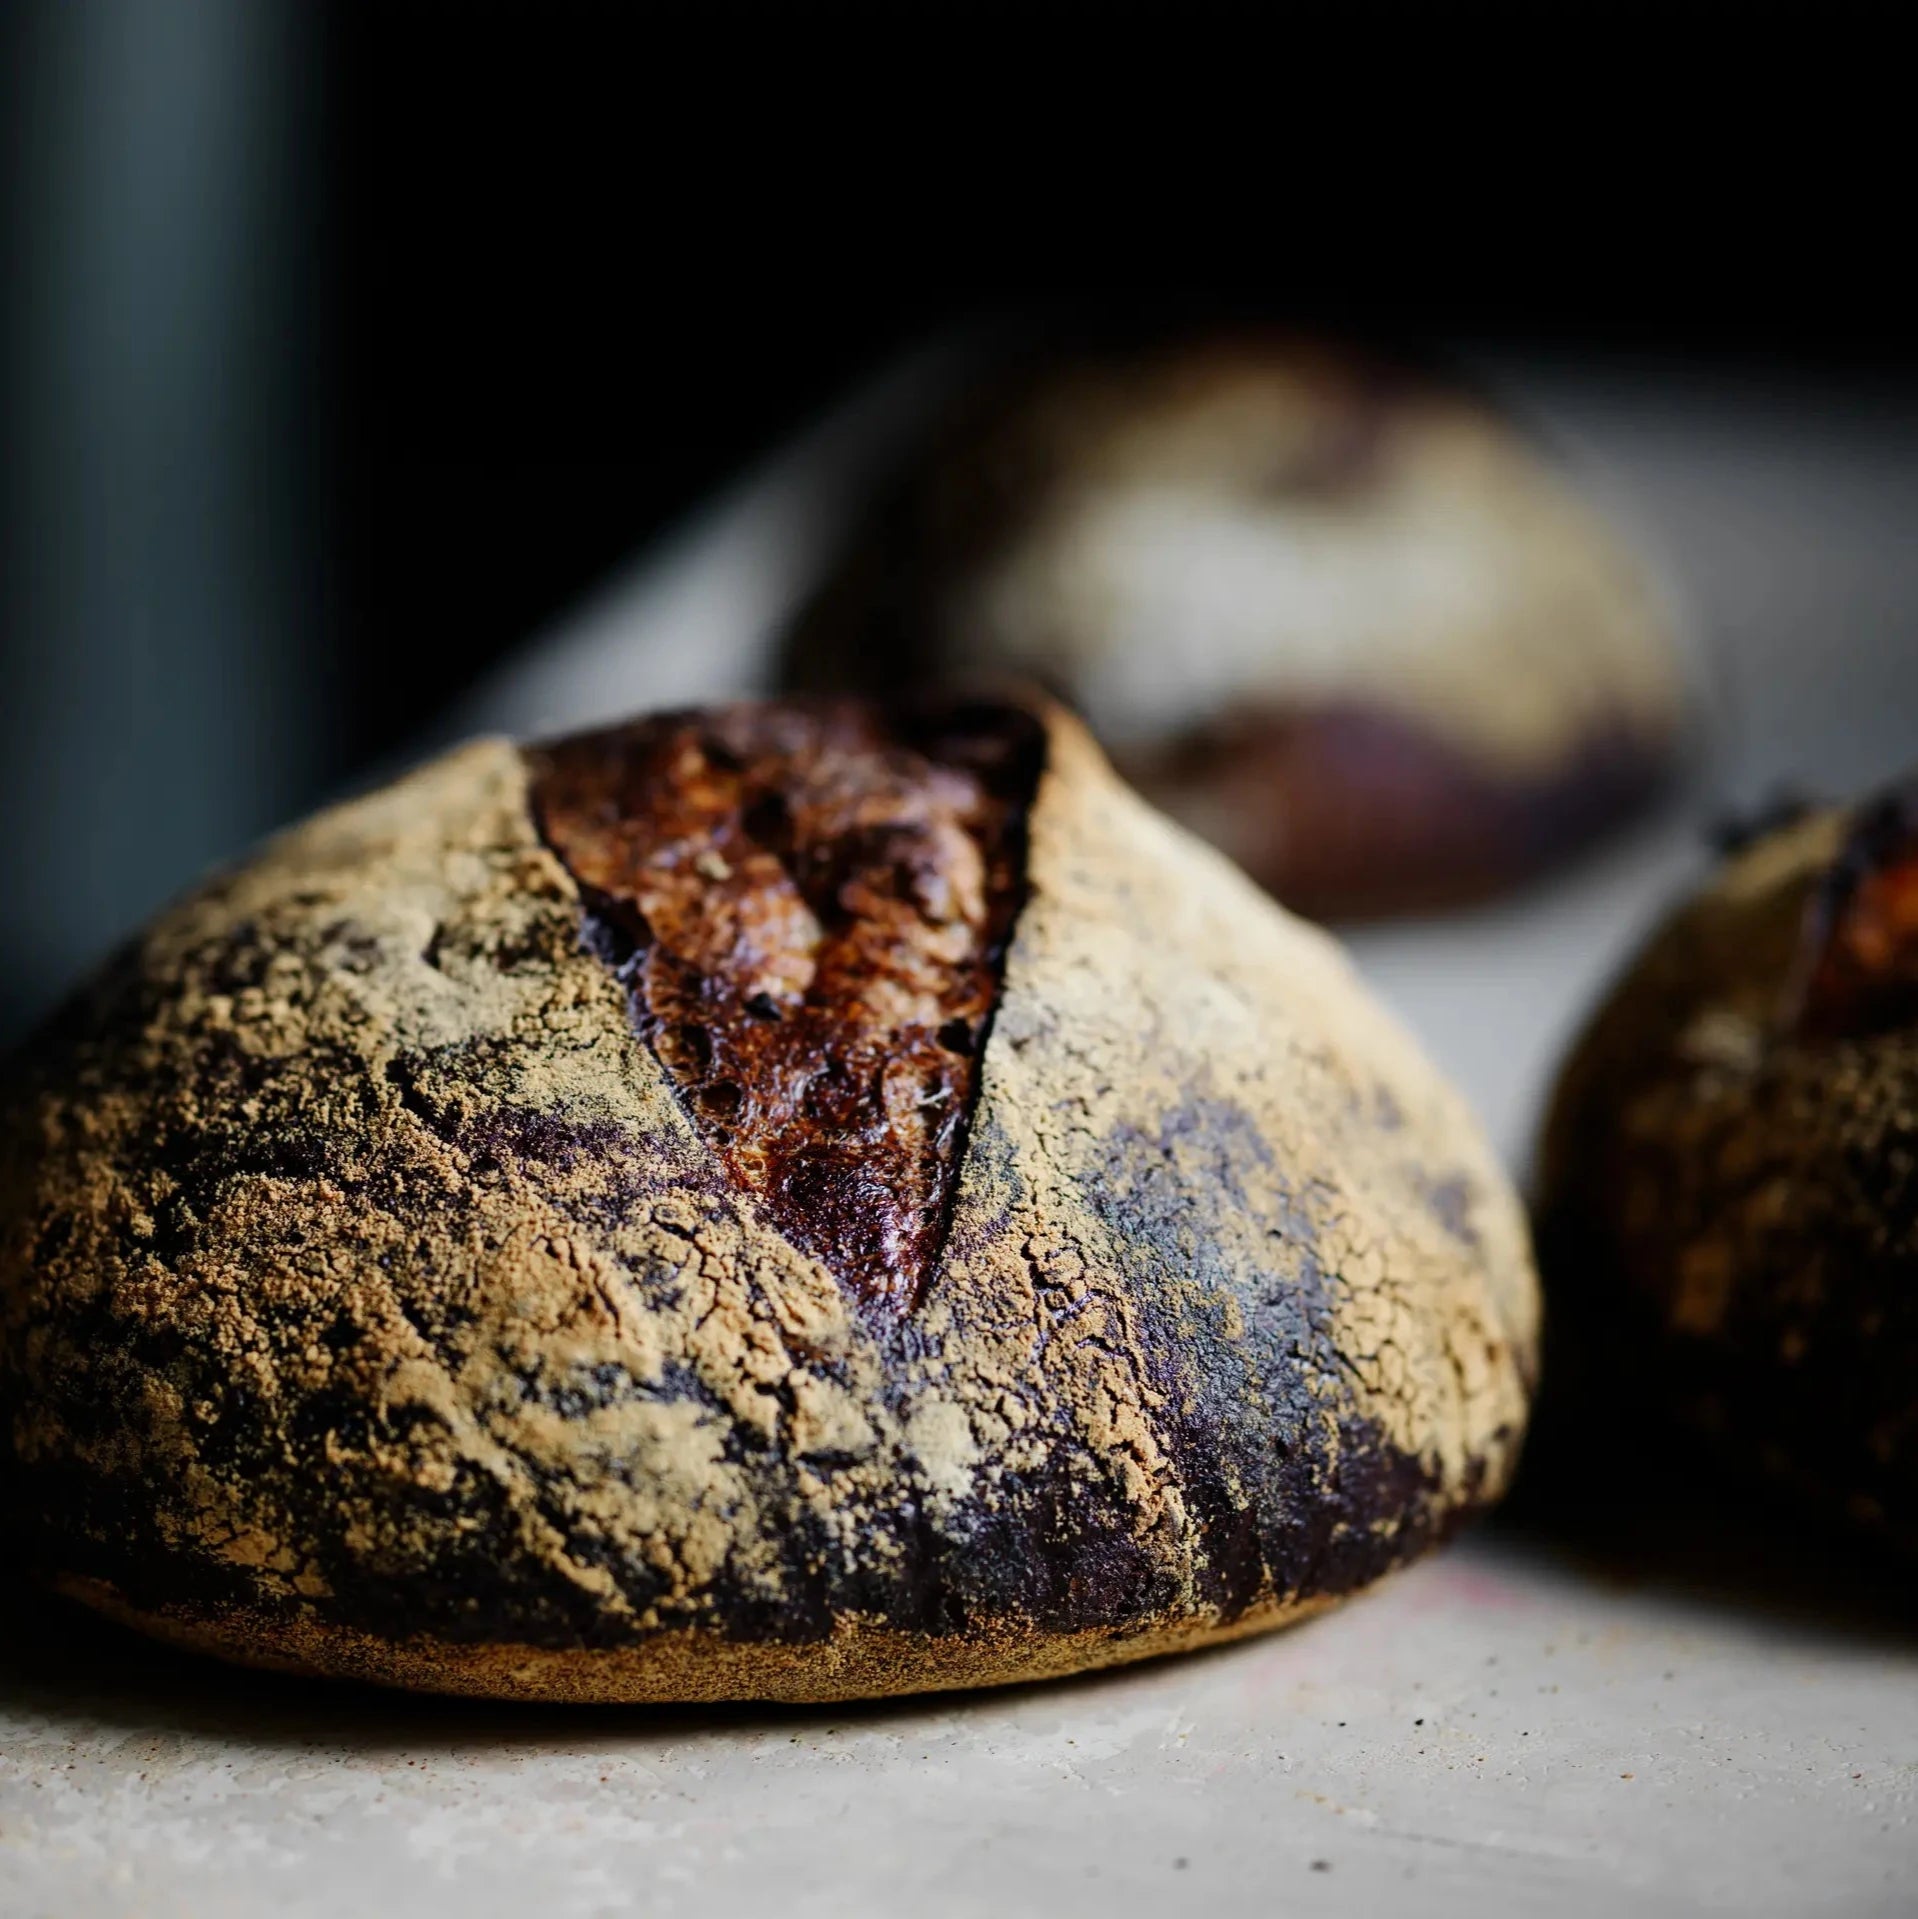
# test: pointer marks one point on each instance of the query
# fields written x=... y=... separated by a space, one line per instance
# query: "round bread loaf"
x=793 y=1201
x=1730 y=1169
x=1340 y=619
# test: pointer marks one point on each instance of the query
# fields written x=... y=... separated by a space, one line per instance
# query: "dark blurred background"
x=344 y=348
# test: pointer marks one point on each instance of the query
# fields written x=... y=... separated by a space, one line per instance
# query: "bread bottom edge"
x=860 y=1660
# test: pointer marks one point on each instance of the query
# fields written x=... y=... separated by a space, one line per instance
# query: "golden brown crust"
x=1727 y=1203
x=363 y=1282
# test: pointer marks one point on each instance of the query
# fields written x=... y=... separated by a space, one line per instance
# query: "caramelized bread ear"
x=809 y=907
x=384 y=1290
x=1857 y=973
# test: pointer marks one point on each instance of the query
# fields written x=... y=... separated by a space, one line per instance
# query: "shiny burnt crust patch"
x=809 y=905
x=1858 y=966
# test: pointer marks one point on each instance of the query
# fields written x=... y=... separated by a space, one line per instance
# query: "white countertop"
x=1682 y=1702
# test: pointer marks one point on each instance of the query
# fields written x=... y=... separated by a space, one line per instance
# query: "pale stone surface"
x=1492 y=1731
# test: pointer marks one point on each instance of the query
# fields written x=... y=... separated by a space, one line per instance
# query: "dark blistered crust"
x=1730 y=1200
x=1351 y=813
x=370 y=1303
x=809 y=907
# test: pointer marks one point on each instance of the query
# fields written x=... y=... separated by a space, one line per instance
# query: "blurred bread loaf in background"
x=1338 y=615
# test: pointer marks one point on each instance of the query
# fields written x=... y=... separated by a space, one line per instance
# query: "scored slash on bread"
x=810 y=911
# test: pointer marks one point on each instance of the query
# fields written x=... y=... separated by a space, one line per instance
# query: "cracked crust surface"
x=1729 y=1207
x=370 y=1303
x=1342 y=620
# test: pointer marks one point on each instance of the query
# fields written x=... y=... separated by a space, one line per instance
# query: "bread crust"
x=1727 y=1216
x=856 y=1660
x=370 y=1305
